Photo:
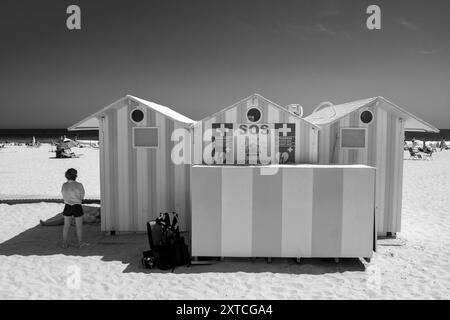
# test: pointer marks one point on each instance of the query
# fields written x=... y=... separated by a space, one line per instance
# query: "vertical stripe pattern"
x=302 y=211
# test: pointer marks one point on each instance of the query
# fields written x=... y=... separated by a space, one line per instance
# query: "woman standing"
x=73 y=195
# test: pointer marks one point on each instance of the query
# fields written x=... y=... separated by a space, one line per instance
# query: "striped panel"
x=237 y=212
x=300 y=148
x=198 y=144
x=114 y=169
x=206 y=189
x=123 y=169
x=104 y=175
x=161 y=163
x=170 y=168
x=267 y=209
x=327 y=197
x=313 y=145
x=320 y=220
x=381 y=167
x=357 y=184
x=388 y=173
x=372 y=141
x=207 y=135
x=143 y=174
x=132 y=177
x=180 y=185
x=273 y=114
x=152 y=211
x=296 y=212
x=399 y=177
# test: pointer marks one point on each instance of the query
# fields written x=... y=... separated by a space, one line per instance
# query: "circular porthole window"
x=254 y=114
x=366 y=117
x=137 y=115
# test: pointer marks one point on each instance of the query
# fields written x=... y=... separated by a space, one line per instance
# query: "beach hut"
x=255 y=130
x=256 y=190
x=139 y=174
x=140 y=140
x=371 y=132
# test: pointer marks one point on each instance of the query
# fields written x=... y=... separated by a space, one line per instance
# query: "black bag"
x=180 y=253
x=170 y=250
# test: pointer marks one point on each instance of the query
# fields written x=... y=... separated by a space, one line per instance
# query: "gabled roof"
x=332 y=113
x=261 y=97
x=91 y=122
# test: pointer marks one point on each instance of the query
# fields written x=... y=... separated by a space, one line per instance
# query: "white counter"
x=283 y=211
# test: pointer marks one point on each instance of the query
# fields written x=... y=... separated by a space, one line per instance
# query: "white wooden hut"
x=251 y=128
x=371 y=132
x=138 y=177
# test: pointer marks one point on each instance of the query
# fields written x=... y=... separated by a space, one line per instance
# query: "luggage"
x=168 y=248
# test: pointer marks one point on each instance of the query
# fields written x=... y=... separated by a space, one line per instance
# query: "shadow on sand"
x=127 y=249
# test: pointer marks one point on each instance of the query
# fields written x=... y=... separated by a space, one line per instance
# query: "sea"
x=53 y=135
x=44 y=135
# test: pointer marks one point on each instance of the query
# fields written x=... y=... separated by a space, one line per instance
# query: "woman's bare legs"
x=79 y=225
x=66 y=227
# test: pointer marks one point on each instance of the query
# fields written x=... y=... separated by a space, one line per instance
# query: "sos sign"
x=254 y=128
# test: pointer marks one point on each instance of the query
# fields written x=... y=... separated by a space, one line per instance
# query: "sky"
x=200 y=56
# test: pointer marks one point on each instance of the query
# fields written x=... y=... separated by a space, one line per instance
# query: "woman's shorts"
x=76 y=210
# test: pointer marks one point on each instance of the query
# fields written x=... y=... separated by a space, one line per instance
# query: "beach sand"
x=35 y=173
x=416 y=265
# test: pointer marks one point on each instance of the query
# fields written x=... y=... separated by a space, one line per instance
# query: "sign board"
x=253 y=143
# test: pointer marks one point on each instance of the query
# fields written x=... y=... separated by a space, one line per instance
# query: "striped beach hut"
x=255 y=130
x=371 y=132
x=141 y=172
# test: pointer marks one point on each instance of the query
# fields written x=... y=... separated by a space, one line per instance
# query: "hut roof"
x=332 y=113
x=261 y=97
x=91 y=122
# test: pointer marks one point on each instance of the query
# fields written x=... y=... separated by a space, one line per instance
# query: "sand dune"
x=32 y=265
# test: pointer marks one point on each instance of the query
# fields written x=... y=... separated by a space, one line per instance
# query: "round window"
x=366 y=117
x=137 y=115
x=253 y=114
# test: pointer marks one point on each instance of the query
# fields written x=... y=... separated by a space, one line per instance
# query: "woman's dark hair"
x=71 y=174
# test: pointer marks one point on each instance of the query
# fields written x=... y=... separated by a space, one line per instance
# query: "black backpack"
x=168 y=248
x=180 y=252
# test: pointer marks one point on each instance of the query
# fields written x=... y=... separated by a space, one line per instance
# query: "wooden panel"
x=357 y=220
x=273 y=114
x=206 y=189
x=161 y=163
x=113 y=153
x=267 y=210
x=142 y=176
x=198 y=144
x=132 y=176
x=237 y=212
x=123 y=169
x=297 y=192
x=180 y=187
x=287 y=219
x=152 y=210
x=324 y=145
x=381 y=167
x=104 y=194
x=313 y=145
x=327 y=197
x=399 y=171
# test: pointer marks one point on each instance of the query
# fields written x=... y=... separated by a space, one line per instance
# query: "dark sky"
x=200 y=56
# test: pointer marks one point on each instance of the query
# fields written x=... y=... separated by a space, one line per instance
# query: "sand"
x=35 y=173
x=416 y=265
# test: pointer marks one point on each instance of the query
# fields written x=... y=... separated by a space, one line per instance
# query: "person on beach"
x=443 y=145
x=73 y=195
